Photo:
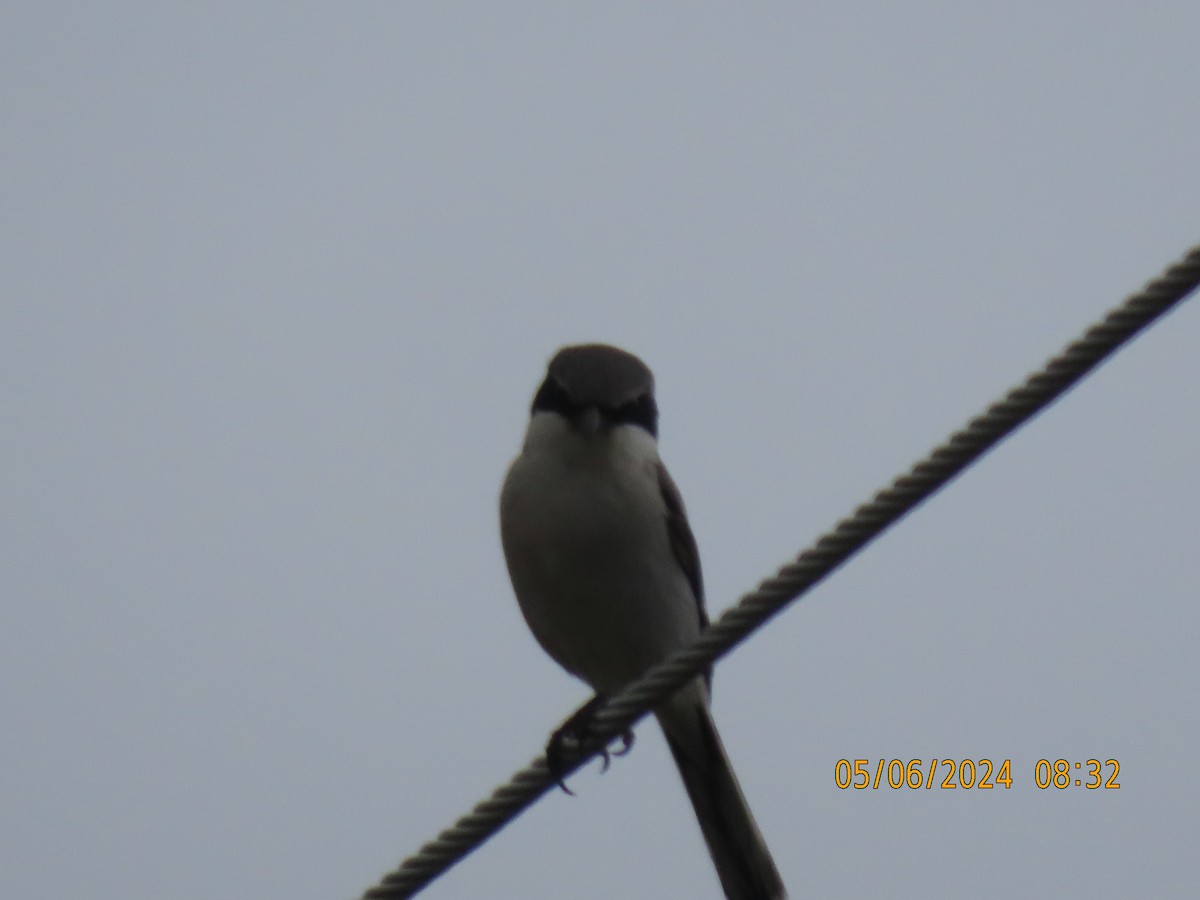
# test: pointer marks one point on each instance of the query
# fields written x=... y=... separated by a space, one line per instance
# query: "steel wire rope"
x=812 y=565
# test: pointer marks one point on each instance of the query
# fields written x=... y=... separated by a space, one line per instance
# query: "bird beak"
x=588 y=422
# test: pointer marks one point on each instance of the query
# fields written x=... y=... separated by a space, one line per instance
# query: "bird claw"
x=626 y=742
x=626 y=739
x=555 y=754
x=576 y=731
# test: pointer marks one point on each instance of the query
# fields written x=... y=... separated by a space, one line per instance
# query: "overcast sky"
x=279 y=281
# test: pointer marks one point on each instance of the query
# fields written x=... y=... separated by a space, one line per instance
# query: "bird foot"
x=566 y=742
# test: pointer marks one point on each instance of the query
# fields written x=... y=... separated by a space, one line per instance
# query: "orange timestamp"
x=972 y=774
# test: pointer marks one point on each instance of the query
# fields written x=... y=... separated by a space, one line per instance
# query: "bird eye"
x=551 y=397
x=642 y=411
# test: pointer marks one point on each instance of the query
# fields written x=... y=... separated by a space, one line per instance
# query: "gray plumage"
x=600 y=374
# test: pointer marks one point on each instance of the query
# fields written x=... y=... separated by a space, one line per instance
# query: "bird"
x=606 y=571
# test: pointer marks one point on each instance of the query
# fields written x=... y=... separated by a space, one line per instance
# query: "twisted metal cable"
x=831 y=550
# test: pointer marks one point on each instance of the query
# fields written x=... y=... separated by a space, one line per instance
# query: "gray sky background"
x=279 y=281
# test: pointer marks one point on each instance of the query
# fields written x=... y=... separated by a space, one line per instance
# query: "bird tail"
x=738 y=851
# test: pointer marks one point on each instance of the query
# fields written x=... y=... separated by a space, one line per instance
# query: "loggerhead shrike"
x=606 y=571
